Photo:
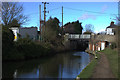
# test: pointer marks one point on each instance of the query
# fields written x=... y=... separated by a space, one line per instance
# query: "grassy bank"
x=88 y=70
x=112 y=56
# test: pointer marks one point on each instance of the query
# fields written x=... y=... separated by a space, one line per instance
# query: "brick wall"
x=109 y=38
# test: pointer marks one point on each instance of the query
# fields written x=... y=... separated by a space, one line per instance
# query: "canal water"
x=63 y=65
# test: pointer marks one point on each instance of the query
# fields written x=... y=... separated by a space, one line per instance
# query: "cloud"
x=86 y=16
x=104 y=8
x=102 y=30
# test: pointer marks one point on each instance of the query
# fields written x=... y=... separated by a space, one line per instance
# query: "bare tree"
x=11 y=11
x=89 y=28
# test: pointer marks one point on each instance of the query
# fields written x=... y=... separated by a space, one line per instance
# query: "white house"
x=24 y=31
x=15 y=31
x=110 y=30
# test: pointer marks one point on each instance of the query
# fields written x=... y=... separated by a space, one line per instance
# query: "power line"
x=32 y=13
x=43 y=12
x=86 y=14
x=90 y=11
x=55 y=14
x=54 y=9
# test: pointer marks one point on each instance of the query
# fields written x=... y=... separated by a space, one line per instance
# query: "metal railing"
x=78 y=36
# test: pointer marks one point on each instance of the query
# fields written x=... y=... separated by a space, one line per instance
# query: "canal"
x=63 y=65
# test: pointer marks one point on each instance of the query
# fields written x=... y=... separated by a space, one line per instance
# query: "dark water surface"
x=63 y=65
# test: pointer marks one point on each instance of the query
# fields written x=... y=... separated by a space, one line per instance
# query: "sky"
x=99 y=14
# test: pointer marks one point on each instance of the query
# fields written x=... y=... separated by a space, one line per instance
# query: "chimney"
x=112 y=23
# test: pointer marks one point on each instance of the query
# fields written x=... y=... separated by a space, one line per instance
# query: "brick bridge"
x=81 y=41
x=77 y=41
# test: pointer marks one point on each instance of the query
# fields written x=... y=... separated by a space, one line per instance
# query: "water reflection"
x=65 y=65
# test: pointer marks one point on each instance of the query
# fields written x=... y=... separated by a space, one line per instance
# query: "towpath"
x=102 y=69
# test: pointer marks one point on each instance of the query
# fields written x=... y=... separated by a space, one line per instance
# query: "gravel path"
x=102 y=69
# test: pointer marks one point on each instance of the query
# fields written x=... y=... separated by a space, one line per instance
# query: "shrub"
x=30 y=49
x=7 y=41
x=113 y=45
x=24 y=48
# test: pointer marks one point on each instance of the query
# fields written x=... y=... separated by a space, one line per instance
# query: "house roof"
x=28 y=27
x=111 y=26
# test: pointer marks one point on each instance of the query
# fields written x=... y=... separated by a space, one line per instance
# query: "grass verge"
x=112 y=56
x=88 y=70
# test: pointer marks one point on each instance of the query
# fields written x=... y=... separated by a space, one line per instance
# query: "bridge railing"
x=85 y=36
x=78 y=36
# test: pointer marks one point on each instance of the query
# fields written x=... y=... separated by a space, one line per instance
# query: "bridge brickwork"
x=77 y=41
x=109 y=38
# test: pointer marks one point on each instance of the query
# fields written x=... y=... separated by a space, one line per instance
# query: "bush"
x=30 y=49
x=7 y=41
x=113 y=45
x=24 y=48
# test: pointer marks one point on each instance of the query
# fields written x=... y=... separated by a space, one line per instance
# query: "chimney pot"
x=112 y=23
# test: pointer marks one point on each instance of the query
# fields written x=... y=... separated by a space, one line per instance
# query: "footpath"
x=102 y=69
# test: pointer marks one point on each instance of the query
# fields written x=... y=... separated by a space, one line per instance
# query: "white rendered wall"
x=109 y=31
x=15 y=31
x=102 y=45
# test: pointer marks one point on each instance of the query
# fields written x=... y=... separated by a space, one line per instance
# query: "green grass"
x=112 y=56
x=119 y=69
x=88 y=70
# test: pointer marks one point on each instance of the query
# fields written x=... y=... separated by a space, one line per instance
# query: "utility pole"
x=62 y=18
x=45 y=16
x=45 y=12
x=40 y=22
x=62 y=24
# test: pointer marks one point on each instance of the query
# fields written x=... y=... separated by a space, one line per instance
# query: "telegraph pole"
x=45 y=16
x=62 y=17
x=40 y=21
x=45 y=11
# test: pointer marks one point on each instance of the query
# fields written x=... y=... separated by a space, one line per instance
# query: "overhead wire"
x=38 y=12
x=54 y=9
x=90 y=11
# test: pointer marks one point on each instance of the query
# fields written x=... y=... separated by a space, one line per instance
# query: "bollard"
x=77 y=78
x=95 y=56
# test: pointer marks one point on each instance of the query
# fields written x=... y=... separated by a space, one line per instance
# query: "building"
x=99 y=45
x=15 y=31
x=30 y=32
x=110 y=30
x=99 y=42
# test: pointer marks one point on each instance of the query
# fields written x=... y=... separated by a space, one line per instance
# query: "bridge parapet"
x=79 y=36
